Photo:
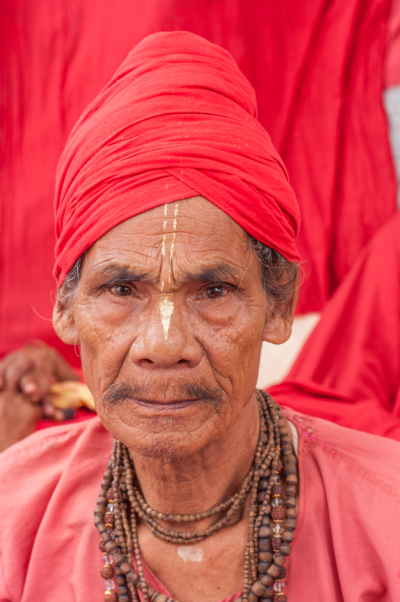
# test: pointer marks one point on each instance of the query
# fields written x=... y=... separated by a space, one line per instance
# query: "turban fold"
x=177 y=120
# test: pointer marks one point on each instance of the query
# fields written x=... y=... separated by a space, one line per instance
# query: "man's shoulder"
x=352 y=454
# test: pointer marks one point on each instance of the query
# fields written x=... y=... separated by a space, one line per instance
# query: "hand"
x=18 y=418
x=25 y=377
x=32 y=369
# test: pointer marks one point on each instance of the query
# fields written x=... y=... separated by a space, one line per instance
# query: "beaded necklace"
x=271 y=525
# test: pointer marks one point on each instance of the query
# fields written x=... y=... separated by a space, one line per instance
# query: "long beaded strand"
x=272 y=519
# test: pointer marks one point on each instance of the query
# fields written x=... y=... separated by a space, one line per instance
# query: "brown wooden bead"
x=267 y=580
x=125 y=568
x=291 y=513
x=265 y=599
x=252 y=597
x=262 y=485
x=290 y=523
x=287 y=536
x=266 y=520
x=101 y=546
x=279 y=559
x=274 y=571
x=265 y=556
x=290 y=459
x=110 y=596
x=133 y=578
x=283 y=573
x=118 y=559
x=285 y=549
x=98 y=523
x=107 y=571
x=99 y=510
x=277 y=490
x=290 y=502
x=264 y=532
x=110 y=547
x=122 y=591
x=123 y=597
x=269 y=592
x=263 y=567
x=106 y=537
x=291 y=491
x=290 y=470
x=277 y=513
x=292 y=479
x=286 y=449
x=264 y=544
x=258 y=589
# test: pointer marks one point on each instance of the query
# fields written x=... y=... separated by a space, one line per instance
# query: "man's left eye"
x=213 y=292
x=122 y=290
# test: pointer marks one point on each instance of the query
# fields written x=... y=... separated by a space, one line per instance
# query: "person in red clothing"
x=176 y=258
x=349 y=369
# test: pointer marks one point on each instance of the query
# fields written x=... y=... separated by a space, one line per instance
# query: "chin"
x=167 y=448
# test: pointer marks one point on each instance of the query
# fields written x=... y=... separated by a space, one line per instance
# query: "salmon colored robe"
x=346 y=547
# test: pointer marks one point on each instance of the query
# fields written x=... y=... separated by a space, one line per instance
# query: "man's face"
x=170 y=316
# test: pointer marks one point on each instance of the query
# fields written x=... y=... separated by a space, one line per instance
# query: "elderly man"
x=176 y=259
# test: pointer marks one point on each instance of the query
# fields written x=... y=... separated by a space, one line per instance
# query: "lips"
x=163 y=405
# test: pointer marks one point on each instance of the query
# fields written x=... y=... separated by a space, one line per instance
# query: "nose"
x=165 y=339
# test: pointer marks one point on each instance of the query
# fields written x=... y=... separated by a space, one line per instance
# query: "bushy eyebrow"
x=114 y=273
x=219 y=272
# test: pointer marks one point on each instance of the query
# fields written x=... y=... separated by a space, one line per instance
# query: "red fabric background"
x=349 y=369
x=317 y=72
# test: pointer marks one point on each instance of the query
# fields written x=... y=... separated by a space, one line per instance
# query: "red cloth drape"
x=349 y=369
x=317 y=71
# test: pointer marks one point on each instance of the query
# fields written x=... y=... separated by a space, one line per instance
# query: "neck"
x=206 y=478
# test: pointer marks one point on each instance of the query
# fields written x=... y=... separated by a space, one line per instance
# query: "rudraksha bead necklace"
x=271 y=525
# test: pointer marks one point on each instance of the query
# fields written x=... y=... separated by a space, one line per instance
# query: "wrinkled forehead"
x=194 y=223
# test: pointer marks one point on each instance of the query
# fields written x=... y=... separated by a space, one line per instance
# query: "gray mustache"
x=117 y=393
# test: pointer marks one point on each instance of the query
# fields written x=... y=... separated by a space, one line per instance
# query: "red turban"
x=178 y=119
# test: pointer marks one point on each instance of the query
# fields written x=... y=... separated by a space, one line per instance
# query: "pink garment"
x=346 y=547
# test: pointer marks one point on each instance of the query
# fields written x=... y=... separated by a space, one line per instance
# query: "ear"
x=64 y=324
x=279 y=328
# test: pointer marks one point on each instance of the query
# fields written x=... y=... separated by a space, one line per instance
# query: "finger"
x=16 y=369
x=35 y=384
x=48 y=408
